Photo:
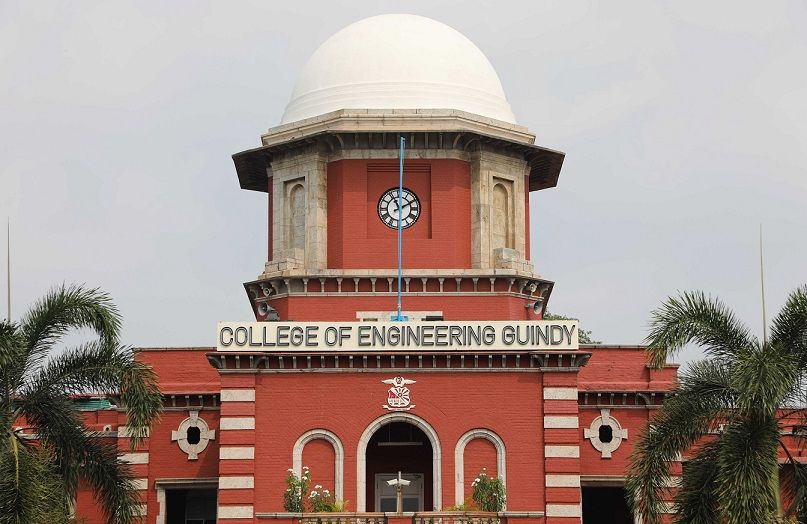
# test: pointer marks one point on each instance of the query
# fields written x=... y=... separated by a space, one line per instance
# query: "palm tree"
x=741 y=393
x=38 y=476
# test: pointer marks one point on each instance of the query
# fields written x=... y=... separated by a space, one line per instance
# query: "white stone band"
x=563 y=510
x=235 y=512
x=238 y=395
x=141 y=484
x=552 y=393
x=563 y=481
x=560 y=422
x=235 y=453
x=236 y=482
x=237 y=423
x=562 y=451
x=134 y=458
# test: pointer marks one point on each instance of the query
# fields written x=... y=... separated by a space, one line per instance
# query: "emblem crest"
x=398 y=394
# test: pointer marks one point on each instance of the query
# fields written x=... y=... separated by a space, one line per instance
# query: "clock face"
x=388 y=208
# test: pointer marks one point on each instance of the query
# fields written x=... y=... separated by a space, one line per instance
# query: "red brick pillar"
x=237 y=449
x=561 y=448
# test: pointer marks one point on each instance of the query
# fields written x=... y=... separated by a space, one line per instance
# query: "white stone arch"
x=459 y=459
x=339 y=457
x=361 y=456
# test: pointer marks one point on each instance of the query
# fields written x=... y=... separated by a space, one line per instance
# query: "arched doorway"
x=399 y=447
x=409 y=445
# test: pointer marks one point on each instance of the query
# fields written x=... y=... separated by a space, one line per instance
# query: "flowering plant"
x=321 y=500
x=488 y=493
x=295 y=487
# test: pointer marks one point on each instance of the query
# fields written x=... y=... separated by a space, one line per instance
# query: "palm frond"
x=794 y=486
x=789 y=327
x=60 y=428
x=695 y=317
x=765 y=377
x=748 y=481
x=63 y=309
x=111 y=482
x=697 y=500
x=96 y=367
x=704 y=395
x=31 y=490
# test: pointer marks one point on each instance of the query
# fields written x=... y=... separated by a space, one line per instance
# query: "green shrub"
x=295 y=487
x=488 y=493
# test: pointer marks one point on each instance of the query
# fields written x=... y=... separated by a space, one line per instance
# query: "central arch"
x=361 y=456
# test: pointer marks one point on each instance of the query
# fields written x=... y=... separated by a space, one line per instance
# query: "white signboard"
x=396 y=336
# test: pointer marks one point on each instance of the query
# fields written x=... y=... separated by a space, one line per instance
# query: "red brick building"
x=555 y=422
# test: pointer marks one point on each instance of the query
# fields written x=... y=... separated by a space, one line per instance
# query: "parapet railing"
x=342 y=518
x=426 y=517
x=457 y=517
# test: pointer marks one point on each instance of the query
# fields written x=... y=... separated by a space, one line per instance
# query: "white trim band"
x=236 y=482
x=553 y=393
x=561 y=422
x=238 y=395
x=134 y=458
x=235 y=453
x=561 y=451
x=562 y=481
x=235 y=512
x=226 y=423
x=125 y=432
x=140 y=484
x=564 y=510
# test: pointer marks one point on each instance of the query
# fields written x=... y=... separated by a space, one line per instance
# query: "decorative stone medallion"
x=193 y=435
x=605 y=433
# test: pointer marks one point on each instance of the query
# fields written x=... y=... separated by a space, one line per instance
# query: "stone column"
x=561 y=449
x=139 y=463
x=237 y=449
x=489 y=165
x=308 y=168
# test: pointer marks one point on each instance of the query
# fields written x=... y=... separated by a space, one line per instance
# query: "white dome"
x=398 y=62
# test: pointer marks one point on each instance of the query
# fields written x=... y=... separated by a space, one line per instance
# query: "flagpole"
x=762 y=289
x=398 y=316
x=8 y=267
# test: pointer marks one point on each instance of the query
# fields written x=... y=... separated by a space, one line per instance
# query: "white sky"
x=684 y=125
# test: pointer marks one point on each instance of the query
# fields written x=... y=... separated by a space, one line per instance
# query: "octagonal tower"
x=332 y=253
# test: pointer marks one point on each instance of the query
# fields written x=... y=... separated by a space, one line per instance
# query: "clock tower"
x=330 y=172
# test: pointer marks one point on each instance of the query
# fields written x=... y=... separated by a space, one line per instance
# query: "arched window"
x=459 y=459
x=339 y=457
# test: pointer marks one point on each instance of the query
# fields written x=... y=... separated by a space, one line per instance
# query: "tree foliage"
x=42 y=465
x=727 y=414
x=584 y=336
